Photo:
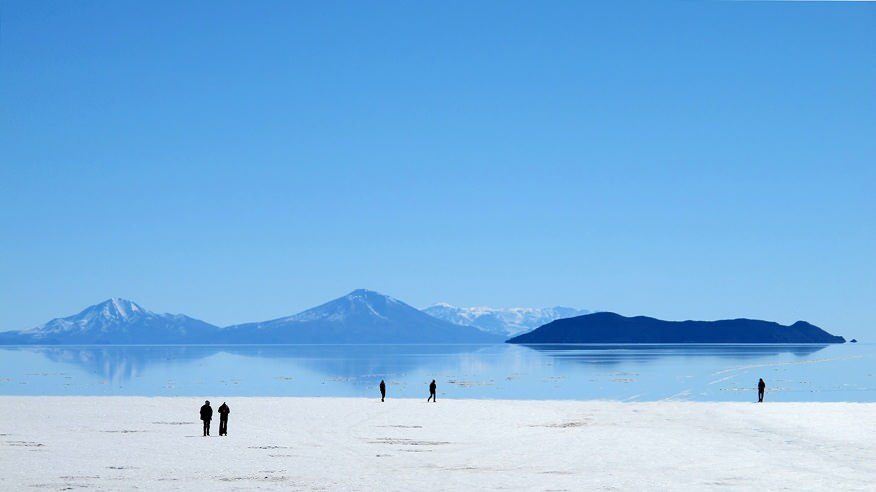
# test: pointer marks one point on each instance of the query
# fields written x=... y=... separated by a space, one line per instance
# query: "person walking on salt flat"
x=382 y=390
x=761 y=387
x=223 y=419
x=206 y=416
x=432 y=388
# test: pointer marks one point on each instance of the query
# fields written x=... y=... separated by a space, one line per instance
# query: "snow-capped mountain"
x=119 y=321
x=362 y=316
x=505 y=322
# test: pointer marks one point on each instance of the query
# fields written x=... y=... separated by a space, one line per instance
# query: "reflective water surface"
x=618 y=372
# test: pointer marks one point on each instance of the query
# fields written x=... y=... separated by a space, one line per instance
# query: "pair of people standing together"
x=207 y=416
x=432 y=389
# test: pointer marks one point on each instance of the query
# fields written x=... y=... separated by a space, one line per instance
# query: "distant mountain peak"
x=361 y=316
x=357 y=304
x=121 y=307
x=501 y=321
x=110 y=310
x=364 y=292
x=118 y=320
x=369 y=295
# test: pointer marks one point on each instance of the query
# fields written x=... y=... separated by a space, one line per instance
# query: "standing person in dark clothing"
x=206 y=415
x=432 y=387
x=382 y=390
x=761 y=387
x=223 y=419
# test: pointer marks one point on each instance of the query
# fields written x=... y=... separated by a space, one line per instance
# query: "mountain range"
x=506 y=322
x=368 y=317
x=116 y=321
x=614 y=328
x=362 y=316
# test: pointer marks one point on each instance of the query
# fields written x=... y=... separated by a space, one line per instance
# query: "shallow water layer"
x=501 y=371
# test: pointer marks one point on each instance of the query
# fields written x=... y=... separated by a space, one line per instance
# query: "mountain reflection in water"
x=624 y=372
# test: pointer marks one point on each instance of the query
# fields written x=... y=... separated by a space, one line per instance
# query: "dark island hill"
x=614 y=328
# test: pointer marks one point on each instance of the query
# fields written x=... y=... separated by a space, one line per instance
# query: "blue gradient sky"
x=240 y=161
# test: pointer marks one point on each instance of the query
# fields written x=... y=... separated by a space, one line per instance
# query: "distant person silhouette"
x=761 y=387
x=206 y=415
x=382 y=390
x=223 y=419
x=432 y=387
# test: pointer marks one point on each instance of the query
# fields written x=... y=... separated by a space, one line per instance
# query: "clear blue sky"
x=239 y=161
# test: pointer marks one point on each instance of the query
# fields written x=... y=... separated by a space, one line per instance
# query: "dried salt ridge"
x=123 y=443
x=614 y=328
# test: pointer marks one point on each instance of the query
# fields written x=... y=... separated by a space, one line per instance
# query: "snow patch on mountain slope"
x=504 y=321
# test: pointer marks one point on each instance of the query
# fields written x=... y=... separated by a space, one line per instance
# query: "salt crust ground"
x=122 y=443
